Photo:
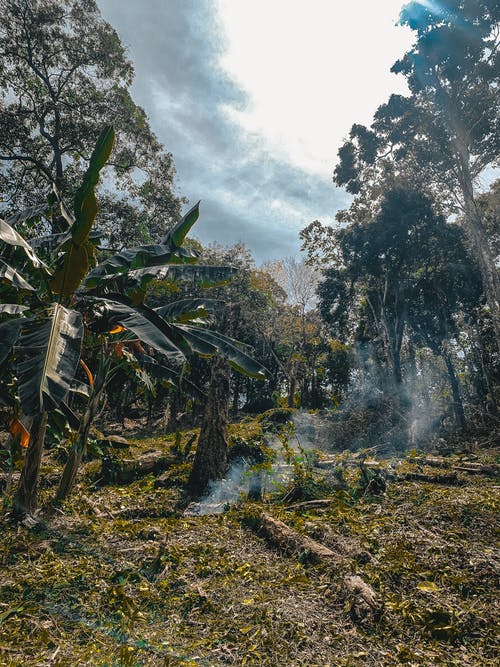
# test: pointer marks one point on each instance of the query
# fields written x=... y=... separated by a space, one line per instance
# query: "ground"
x=119 y=575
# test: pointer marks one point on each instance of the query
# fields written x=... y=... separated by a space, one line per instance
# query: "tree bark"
x=79 y=448
x=364 y=604
x=484 y=256
x=26 y=496
x=489 y=273
x=458 y=407
x=210 y=462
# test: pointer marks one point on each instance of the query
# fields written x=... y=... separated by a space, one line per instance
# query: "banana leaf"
x=14 y=277
x=164 y=373
x=85 y=203
x=53 y=241
x=80 y=389
x=9 y=333
x=169 y=251
x=136 y=283
x=9 y=235
x=142 y=257
x=12 y=308
x=31 y=213
x=49 y=349
x=76 y=262
x=178 y=233
x=207 y=343
x=186 y=310
x=73 y=420
x=149 y=327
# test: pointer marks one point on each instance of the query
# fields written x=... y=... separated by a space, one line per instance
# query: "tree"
x=64 y=75
x=489 y=206
x=406 y=274
x=210 y=461
x=44 y=339
x=448 y=128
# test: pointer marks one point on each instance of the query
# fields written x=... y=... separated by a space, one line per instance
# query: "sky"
x=254 y=98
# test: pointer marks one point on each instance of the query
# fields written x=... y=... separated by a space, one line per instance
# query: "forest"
x=206 y=459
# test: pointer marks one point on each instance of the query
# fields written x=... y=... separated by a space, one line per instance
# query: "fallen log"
x=365 y=605
x=114 y=441
x=450 y=479
x=326 y=464
x=345 y=547
x=287 y=539
x=478 y=469
x=323 y=503
x=124 y=471
x=468 y=467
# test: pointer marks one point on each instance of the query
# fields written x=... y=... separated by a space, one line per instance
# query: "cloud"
x=248 y=194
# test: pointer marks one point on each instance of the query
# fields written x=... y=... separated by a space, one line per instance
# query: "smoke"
x=246 y=480
x=222 y=492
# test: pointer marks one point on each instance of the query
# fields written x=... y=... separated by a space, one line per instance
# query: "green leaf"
x=14 y=277
x=185 y=310
x=159 y=371
x=136 y=283
x=143 y=322
x=51 y=242
x=9 y=235
x=207 y=342
x=178 y=233
x=31 y=213
x=50 y=351
x=80 y=389
x=141 y=257
x=9 y=333
x=73 y=421
x=75 y=264
x=428 y=587
x=85 y=204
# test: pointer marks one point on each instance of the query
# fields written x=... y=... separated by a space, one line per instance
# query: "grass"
x=96 y=586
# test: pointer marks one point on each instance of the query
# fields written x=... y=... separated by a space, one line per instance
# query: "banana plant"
x=50 y=304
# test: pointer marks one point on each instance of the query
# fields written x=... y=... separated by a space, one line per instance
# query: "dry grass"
x=98 y=586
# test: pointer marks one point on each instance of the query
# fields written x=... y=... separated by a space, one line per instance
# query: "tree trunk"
x=364 y=603
x=25 y=499
x=457 y=400
x=210 y=462
x=484 y=256
x=78 y=449
x=236 y=394
x=292 y=384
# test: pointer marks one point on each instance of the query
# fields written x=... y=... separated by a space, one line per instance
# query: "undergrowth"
x=120 y=576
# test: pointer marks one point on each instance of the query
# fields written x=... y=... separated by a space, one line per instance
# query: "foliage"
x=111 y=300
x=65 y=75
x=446 y=132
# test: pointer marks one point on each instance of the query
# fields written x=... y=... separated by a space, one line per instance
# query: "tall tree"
x=405 y=272
x=64 y=74
x=448 y=127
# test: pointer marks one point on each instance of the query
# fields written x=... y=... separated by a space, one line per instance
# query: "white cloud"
x=310 y=69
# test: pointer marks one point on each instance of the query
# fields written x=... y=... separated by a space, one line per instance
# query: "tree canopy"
x=446 y=132
x=65 y=74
